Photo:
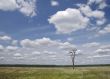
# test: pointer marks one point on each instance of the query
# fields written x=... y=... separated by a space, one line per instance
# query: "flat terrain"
x=54 y=73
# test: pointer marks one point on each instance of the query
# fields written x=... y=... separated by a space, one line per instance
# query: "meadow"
x=54 y=73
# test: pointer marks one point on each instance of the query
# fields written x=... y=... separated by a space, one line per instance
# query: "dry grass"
x=54 y=73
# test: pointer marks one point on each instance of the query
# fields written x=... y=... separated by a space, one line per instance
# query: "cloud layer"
x=43 y=49
x=48 y=51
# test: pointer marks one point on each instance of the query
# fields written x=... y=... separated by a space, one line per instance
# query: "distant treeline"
x=25 y=65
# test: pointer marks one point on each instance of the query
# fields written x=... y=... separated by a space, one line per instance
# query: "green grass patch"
x=54 y=73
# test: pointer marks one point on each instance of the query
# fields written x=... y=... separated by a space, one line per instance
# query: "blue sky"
x=26 y=25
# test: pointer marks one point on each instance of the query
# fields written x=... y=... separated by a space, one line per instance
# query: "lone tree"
x=72 y=53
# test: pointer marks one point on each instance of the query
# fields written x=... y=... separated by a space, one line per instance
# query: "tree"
x=72 y=53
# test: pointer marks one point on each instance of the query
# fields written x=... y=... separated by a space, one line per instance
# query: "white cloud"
x=99 y=56
x=79 y=53
x=69 y=20
x=1 y=48
x=36 y=53
x=92 y=44
x=44 y=49
x=54 y=3
x=101 y=3
x=46 y=42
x=66 y=46
x=27 y=42
x=98 y=14
x=103 y=51
x=8 y=5
x=86 y=10
x=5 y=38
x=101 y=21
x=27 y=7
x=95 y=48
x=15 y=42
x=105 y=46
x=105 y=30
x=94 y=1
x=17 y=55
x=11 y=48
x=49 y=52
x=2 y=58
x=73 y=19
x=38 y=42
x=53 y=56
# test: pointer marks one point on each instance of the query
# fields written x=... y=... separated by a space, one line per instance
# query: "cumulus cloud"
x=69 y=20
x=11 y=48
x=97 y=53
x=97 y=14
x=2 y=58
x=51 y=50
x=10 y=5
x=17 y=55
x=53 y=56
x=101 y=3
x=74 y=19
x=79 y=53
x=105 y=46
x=36 y=53
x=27 y=43
x=92 y=44
x=38 y=42
x=48 y=51
x=99 y=48
x=99 y=56
x=1 y=47
x=14 y=42
x=103 y=51
x=101 y=21
x=54 y=3
x=43 y=50
x=27 y=7
x=105 y=30
x=96 y=50
x=66 y=46
x=5 y=38
x=46 y=42
x=86 y=10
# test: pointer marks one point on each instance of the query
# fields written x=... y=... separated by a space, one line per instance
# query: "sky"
x=45 y=31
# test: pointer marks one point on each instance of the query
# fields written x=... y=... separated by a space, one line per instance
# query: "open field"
x=54 y=73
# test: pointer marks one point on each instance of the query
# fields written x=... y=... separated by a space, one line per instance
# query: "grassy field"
x=54 y=73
